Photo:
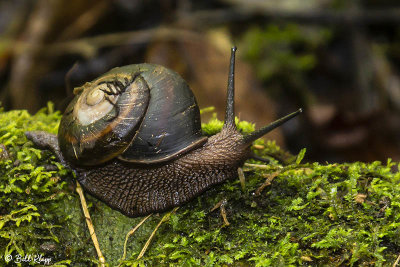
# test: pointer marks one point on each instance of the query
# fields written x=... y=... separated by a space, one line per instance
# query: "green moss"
x=314 y=214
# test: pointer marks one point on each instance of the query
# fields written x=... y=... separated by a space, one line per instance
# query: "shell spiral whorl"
x=139 y=113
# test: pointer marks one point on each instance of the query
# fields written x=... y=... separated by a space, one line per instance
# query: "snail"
x=133 y=138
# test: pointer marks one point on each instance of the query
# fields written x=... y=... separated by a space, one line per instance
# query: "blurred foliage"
x=288 y=49
x=331 y=214
x=283 y=54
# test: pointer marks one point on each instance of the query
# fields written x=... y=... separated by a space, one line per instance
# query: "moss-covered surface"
x=311 y=214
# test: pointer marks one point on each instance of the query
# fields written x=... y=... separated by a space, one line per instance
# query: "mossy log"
x=288 y=213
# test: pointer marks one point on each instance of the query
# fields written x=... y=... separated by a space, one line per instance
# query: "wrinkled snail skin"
x=136 y=191
x=168 y=162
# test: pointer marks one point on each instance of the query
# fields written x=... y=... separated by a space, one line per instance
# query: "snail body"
x=133 y=138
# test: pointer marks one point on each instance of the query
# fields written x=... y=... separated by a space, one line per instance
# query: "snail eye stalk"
x=248 y=139
x=230 y=98
x=230 y=108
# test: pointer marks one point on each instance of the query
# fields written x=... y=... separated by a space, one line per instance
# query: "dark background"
x=338 y=59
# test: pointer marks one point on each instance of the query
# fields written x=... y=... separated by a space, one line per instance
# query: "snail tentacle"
x=230 y=98
x=230 y=108
x=250 y=138
x=45 y=140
